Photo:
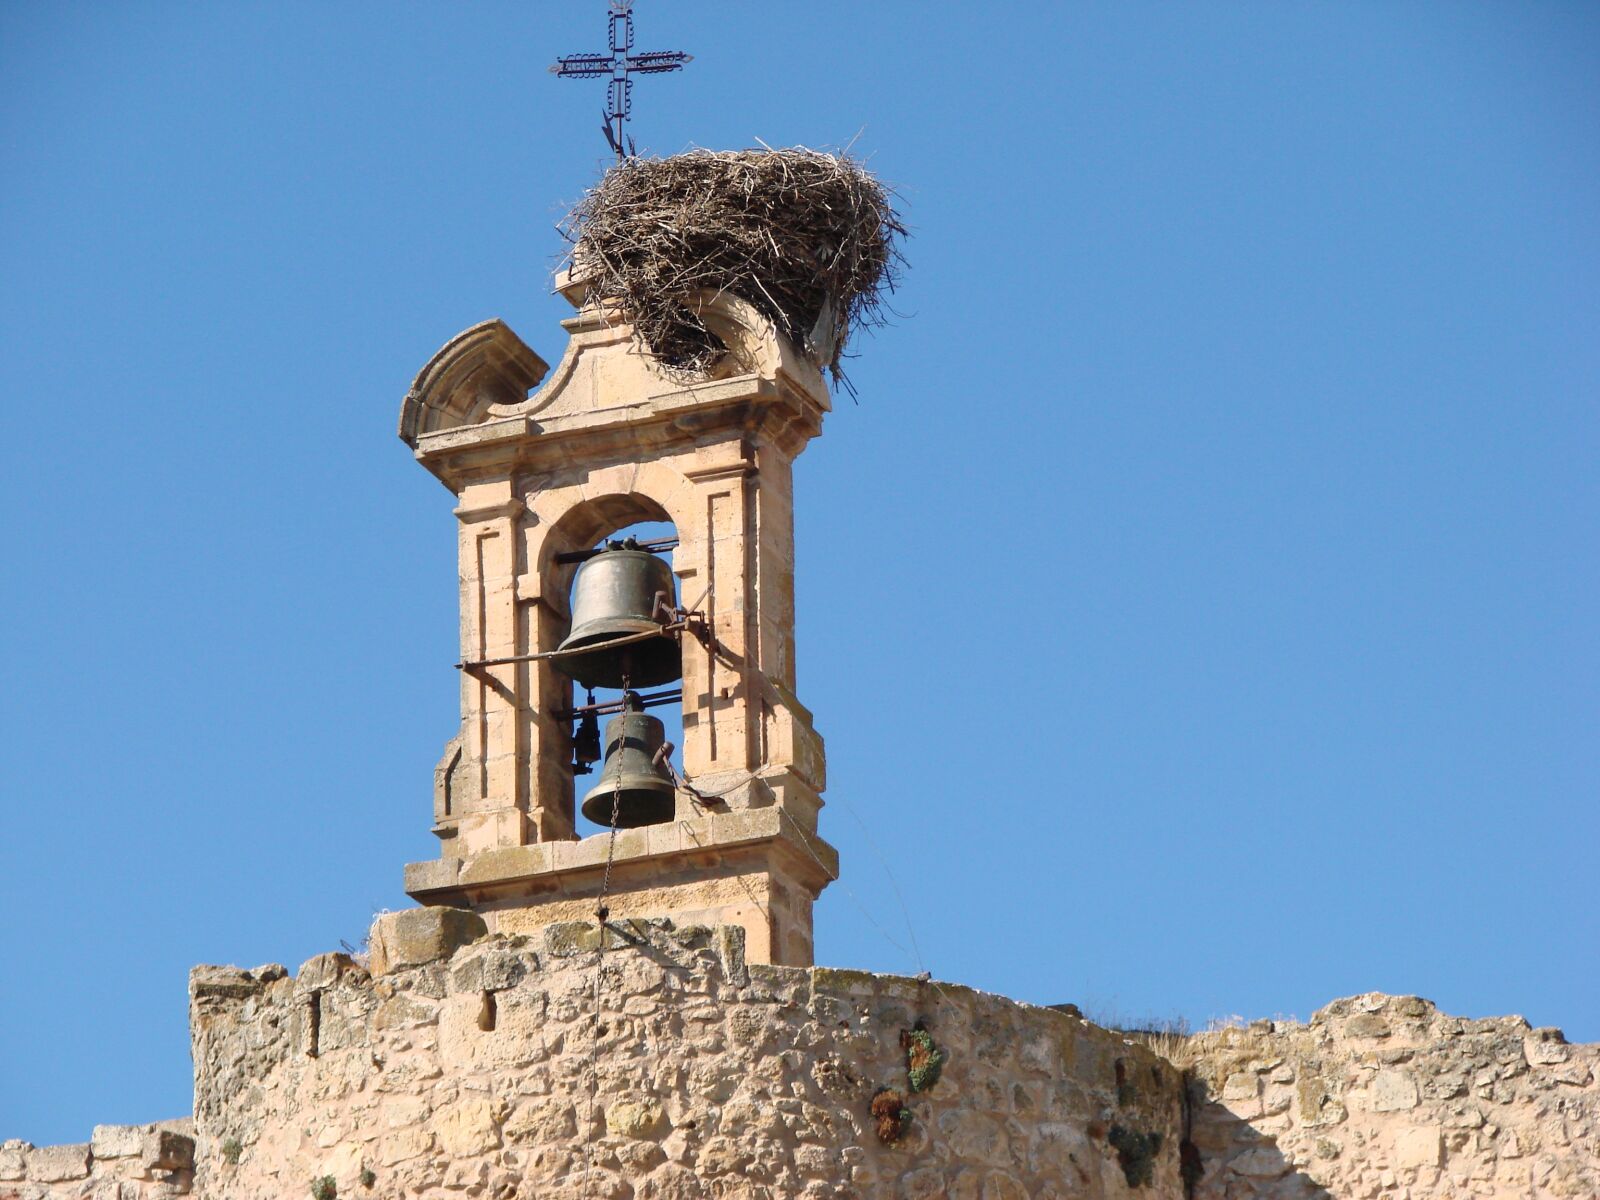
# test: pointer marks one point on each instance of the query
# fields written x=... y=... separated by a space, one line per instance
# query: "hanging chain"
x=601 y=912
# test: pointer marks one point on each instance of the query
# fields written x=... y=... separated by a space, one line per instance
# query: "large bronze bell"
x=633 y=739
x=614 y=596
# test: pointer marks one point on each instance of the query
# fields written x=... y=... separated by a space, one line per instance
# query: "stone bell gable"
x=611 y=438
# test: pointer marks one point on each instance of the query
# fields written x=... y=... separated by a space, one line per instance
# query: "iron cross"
x=621 y=66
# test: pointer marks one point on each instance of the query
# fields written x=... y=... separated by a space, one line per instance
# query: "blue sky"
x=1199 y=604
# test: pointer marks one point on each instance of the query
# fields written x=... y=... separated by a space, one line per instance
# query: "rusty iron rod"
x=654 y=545
x=664 y=631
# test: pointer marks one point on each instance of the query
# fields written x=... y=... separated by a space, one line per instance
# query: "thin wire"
x=894 y=883
x=611 y=644
x=754 y=899
x=915 y=953
x=927 y=975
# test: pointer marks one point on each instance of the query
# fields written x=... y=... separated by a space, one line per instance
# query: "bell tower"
x=543 y=470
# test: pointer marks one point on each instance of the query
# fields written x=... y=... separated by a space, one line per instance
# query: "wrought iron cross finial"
x=621 y=66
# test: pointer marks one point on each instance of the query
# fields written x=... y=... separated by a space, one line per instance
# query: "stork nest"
x=809 y=239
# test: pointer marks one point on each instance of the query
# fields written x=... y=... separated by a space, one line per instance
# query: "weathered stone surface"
x=469 y=1127
x=14 y=1159
x=635 y=1119
x=121 y=1162
x=1418 y=1148
x=713 y=1078
x=416 y=936
x=1241 y=1085
x=116 y=1141
x=1367 y=1025
x=326 y=971
x=166 y=1150
x=1393 y=1091
x=223 y=983
x=491 y=968
x=1546 y=1047
x=55 y=1164
x=1390 y=1098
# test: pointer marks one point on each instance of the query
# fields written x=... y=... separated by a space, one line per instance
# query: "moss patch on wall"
x=1136 y=1154
x=924 y=1060
x=890 y=1113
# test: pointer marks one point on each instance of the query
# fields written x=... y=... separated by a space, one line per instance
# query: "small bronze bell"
x=614 y=596
x=586 y=742
x=646 y=792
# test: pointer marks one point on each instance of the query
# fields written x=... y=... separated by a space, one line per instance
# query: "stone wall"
x=120 y=1162
x=473 y=1064
x=481 y=1070
x=1386 y=1096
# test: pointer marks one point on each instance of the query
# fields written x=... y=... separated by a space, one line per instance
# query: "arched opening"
x=637 y=787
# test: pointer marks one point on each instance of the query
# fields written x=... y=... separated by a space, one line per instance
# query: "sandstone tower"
x=608 y=441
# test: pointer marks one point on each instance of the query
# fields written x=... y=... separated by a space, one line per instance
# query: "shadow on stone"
x=1236 y=1159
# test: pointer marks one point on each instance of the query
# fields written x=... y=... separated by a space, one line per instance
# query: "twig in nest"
x=799 y=234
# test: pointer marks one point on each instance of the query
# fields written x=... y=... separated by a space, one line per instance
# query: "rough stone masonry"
x=459 y=1063
x=481 y=1070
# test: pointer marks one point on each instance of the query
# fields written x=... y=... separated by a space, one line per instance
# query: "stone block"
x=1546 y=1047
x=1414 y=1007
x=432 y=875
x=1393 y=1091
x=404 y=1145
x=166 y=1150
x=1418 y=1148
x=1260 y=1162
x=1242 y=1085
x=638 y=1119
x=491 y=969
x=326 y=971
x=57 y=1164
x=116 y=1141
x=417 y=936
x=839 y=981
x=222 y=983
x=507 y=862
x=730 y=950
x=13 y=1159
x=1367 y=1025
x=565 y=939
x=470 y=1127
x=541 y=1120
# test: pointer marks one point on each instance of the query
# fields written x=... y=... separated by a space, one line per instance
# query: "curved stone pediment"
x=485 y=373
x=477 y=370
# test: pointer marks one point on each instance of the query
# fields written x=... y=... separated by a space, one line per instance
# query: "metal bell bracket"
x=663 y=757
x=608 y=708
x=684 y=620
x=654 y=547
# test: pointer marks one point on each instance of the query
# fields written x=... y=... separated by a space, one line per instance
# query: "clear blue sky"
x=1199 y=604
